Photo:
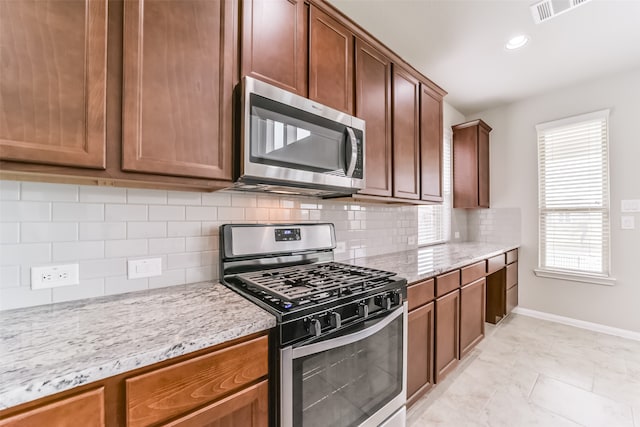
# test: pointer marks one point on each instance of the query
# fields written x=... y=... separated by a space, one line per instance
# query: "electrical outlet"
x=149 y=267
x=53 y=276
x=627 y=223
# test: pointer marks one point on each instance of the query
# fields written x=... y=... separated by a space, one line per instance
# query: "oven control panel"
x=287 y=234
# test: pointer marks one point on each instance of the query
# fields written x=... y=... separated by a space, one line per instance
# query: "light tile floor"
x=531 y=372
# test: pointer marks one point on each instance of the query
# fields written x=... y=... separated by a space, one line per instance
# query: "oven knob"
x=363 y=309
x=397 y=298
x=315 y=328
x=335 y=319
x=383 y=301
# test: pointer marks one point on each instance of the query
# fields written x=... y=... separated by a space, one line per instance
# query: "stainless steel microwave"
x=292 y=145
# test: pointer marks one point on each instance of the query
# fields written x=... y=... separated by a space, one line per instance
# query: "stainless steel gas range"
x=339 y=349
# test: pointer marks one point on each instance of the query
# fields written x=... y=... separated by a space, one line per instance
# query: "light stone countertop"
x=48 y=349
x=429 y=261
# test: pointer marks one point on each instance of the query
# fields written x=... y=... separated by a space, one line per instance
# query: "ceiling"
x=459 y=44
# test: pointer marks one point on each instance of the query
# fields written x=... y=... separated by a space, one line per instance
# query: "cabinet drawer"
x=473 y=272
x=512 y=299
x=84 y=409
x=512 y=275
x=495 y=263
x=420 y=293
x=512 y=256
x=447 y=283
x=174 y=390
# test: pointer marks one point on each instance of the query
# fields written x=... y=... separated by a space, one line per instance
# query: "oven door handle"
x=321 y=346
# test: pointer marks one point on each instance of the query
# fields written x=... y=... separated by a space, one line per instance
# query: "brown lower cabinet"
x=83 y=409
x=420 y=351
x=222 y=386
x=472 y=301
x=447 y=334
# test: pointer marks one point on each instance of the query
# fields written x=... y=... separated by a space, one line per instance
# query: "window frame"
x=600 y=278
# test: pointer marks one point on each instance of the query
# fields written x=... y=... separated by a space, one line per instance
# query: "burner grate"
x=310 y=282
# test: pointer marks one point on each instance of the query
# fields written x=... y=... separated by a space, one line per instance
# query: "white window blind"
x=434 y=221
x=573 y=174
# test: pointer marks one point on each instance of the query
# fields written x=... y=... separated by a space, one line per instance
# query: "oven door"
x=357 y=378
x=290 y=139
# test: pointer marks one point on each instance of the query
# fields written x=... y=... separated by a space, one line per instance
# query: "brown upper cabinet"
x=373 y=105
x=406 y=134
x=53 y=85
x=430 y=144
x=330 y=61
x=471 y=165
x=178 y=81
x=274 y=42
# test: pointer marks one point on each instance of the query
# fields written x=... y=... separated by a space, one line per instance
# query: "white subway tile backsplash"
x=138 y=230
x=113 y=225
x=17 y=211
x=146 y=197
x=86 y=289
x=9 y=190
x=166 y=246
x=125 y=212
x=9 y=232
x=229 y=214
x=102 y=230
x=166 y=213
x=11 y=298
x=184 y=228
x=77 y=211
x=39 y=191
x=195 y=213
x=34 y=232
x=168 y=278
x=201 y=274
x=108 y=267
x=205 y=243
x=216 y=199
x=25 y=254
x=73 y=251
x=9 y=276
x=120 y=248
x=90 y=194
x=183 y=198
x=120 y=285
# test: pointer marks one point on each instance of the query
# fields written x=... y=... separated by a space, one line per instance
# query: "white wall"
x=514 y=184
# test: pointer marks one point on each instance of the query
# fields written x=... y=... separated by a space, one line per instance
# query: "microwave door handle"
x=354 y=152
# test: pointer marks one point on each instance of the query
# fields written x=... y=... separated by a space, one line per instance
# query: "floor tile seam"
x=550 y=411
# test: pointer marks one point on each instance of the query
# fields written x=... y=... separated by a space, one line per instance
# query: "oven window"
x=344 y=386
x=287 y=137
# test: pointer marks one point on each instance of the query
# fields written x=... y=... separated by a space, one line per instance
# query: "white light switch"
x=630 y=205
x=144 y=268
x=627 y=223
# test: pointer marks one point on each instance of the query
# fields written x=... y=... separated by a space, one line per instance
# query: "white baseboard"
x=596 y=327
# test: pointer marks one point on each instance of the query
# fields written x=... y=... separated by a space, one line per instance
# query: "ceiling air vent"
x=547 y=9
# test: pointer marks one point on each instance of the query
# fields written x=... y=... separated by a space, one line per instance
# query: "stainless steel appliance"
x=290 y=144
x=339 y=348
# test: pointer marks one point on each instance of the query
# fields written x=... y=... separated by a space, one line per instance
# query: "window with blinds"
x=434 y=221
x=573 y=178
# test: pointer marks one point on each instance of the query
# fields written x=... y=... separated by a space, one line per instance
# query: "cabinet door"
x=406 y=135
x=420 y=352
x=447 y=334
x=430 y=144
x=330 y=62
x=53 y=84
x=178 y=79
x=373 y=105
x=84 y=409
x=247 y=408
x=274 y=43
x=483 y=167
x=465 y=168
x=472 y=302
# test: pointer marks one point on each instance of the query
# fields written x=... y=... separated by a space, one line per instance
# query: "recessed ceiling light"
x=517 y=42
